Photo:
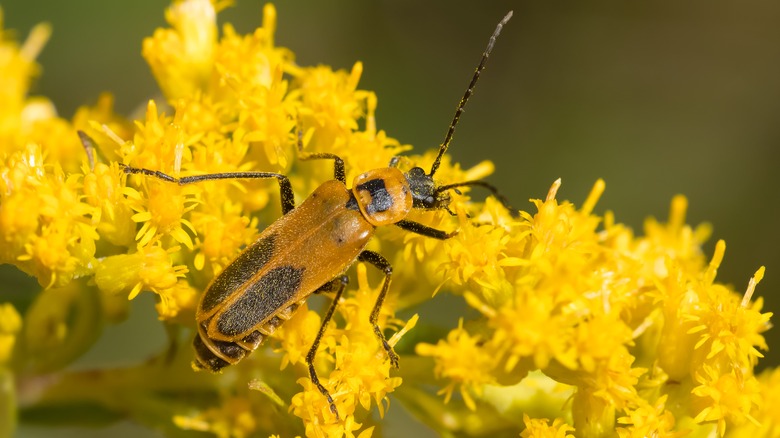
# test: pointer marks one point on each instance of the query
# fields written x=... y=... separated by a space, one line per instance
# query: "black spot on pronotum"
x=239 y=272
x=261 y=300
x=380 y=200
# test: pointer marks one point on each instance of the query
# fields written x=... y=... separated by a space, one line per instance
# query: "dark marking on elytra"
x=261 y=300
x=380 y=200
x=239 y=272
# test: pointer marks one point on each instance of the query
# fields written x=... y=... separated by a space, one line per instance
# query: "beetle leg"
x=331 y=286
x=424 y=230
x=383 y=265
x=285 y=189
x=338 y=285
x=484 y=184
x=338 y=164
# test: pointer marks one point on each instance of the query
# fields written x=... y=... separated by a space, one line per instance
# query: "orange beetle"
x=309 y=248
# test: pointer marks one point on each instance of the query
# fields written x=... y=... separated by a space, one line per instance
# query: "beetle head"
x=425 y=193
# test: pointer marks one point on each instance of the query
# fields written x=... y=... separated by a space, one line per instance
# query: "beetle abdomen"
x=213 y=355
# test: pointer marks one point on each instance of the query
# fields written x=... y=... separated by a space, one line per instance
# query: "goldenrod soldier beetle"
x=310 y=247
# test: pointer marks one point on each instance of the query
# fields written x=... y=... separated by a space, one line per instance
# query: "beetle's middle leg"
x=338 y=285
x=338 y=164
x=383 y=265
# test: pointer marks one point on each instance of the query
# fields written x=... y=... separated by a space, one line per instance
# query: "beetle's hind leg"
x=338 y=285
x=383 y=265
x=285 y=188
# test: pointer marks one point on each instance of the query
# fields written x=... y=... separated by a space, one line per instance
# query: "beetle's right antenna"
x=469 y=92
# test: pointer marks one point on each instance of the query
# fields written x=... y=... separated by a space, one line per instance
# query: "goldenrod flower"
x=150 y=268
x=649 y=420
x=539 y=428
x=17 y=69
x=232 y=419
x=461 y=360
x=584 y=306
x=579 y=325
x=766 y=415
x=182 y=58
x=46 y=228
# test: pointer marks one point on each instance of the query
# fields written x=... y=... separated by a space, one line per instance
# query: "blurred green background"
x=657 y=98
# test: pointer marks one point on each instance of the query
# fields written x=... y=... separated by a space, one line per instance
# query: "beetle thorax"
x=383 y=195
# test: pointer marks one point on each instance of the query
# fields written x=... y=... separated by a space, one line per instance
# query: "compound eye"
x=416 y=172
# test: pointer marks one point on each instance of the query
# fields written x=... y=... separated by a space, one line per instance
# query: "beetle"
x=309 y=248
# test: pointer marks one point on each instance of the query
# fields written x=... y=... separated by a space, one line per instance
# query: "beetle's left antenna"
x=469 y=92
x=89 y=148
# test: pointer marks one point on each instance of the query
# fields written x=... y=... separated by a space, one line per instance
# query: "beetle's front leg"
x=383 y=265
x=424 y=230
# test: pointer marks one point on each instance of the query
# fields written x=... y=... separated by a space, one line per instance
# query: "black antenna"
x=89 y=147
x=469 y=92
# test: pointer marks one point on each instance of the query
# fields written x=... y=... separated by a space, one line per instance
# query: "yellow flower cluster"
x=583 y=327
x=235 y=102
x=637 y=326
x=539 y=428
